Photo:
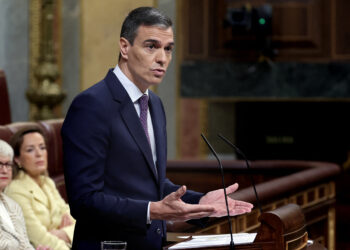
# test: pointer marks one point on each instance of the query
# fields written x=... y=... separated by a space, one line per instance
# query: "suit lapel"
x=132 y=121
x=34 y=189
x=157 y=129
x=130 y=118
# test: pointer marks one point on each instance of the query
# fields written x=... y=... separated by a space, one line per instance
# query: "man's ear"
x=124 y=47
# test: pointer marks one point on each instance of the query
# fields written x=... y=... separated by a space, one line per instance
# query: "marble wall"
x=71 y=11
x=14 y=54
x=167 y=90
x=266 y=80
x=100 y=29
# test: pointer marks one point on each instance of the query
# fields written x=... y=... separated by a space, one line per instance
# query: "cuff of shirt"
x=148 y=214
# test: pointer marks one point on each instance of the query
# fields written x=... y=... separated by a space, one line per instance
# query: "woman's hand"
x=60 y=234
x=66 y=221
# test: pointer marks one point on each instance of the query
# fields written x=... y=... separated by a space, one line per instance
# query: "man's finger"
x=180 y=192
x=199 y=215
x=245 y=208
x=243 y=204
x=196 y=208
x=239 y=211
x=232 y=188
x=195 y=211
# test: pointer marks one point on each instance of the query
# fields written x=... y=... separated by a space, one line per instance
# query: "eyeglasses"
x=7 y=165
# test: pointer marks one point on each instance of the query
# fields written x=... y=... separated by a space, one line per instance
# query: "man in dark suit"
x=114 y=140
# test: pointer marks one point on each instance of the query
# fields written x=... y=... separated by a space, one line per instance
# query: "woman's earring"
x=18 y=164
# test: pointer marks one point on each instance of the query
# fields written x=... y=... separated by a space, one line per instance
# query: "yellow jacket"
x=42 y=207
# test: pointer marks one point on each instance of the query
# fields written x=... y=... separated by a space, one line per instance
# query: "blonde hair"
x=6 y=149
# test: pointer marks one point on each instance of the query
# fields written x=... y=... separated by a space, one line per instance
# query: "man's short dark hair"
x=147 y=16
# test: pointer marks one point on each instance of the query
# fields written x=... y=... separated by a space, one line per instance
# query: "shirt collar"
x=133 y=91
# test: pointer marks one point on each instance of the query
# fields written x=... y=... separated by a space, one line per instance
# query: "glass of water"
x=113 y=245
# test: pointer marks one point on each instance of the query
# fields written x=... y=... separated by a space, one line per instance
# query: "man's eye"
x=151 y=46
x=169 y=49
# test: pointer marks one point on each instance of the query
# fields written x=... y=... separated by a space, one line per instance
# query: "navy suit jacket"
x=109 y=171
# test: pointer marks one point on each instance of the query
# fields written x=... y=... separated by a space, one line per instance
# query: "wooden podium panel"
x=282 y=228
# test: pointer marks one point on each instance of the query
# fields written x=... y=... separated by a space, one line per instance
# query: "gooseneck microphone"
x=232 y=244
x=248 y=167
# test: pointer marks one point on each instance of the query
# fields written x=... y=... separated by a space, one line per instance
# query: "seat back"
x=52 y=133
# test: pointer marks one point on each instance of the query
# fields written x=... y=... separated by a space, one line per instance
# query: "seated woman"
x=46 y=214
x=13 y=234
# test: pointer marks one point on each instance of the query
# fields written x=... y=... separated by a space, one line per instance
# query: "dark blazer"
x=109 y=171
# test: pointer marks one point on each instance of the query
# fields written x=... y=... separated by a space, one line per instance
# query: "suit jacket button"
x=159 y=231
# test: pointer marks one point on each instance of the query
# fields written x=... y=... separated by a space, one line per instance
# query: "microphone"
x=248 y=167
x=232 y=244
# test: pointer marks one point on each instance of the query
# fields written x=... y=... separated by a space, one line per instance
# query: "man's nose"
x=161 y=57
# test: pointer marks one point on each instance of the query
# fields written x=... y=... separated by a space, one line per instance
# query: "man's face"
x=149 y=56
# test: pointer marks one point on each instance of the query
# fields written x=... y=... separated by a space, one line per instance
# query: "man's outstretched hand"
x=210 y=205
x=216 y=198
x=174 y=209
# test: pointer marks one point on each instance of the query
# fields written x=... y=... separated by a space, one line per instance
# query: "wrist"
x=154 y=210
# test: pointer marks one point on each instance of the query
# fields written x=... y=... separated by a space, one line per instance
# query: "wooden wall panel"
x=196 y=11
x=341 y=27
x=301 y=30
x=289 y=22
x=194 y=28
x=305 y=30
x=191 y=124
x=223 y=43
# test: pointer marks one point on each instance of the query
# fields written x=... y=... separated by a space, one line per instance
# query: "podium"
x=282 y=228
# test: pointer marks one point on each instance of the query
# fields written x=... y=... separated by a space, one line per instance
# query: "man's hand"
x=174 y=209
x=217 y=199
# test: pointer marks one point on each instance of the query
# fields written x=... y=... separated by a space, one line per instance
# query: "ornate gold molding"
x=331 y=228
x=34 y=38
x=44 y=92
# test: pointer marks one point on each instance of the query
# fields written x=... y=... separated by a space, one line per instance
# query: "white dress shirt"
x=135 y=93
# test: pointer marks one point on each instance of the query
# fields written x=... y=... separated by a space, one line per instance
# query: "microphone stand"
x=248 y=167
x=232 y=245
